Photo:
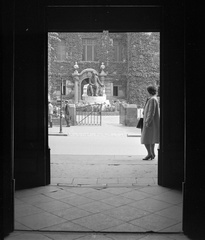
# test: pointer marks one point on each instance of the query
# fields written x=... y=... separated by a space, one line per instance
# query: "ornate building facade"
x=125 y=62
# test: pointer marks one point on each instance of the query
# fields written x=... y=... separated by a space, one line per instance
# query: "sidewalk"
x=100 y=155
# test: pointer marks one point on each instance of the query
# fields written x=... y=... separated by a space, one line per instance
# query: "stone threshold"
x=103 y=186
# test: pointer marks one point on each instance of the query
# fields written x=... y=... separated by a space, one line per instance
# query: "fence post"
x=72 y=109
x=131 y=115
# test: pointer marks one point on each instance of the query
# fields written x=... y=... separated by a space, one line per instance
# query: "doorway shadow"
x=99 y=209
x=98 y=192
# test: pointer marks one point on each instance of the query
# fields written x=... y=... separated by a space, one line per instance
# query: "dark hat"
x=152 y=89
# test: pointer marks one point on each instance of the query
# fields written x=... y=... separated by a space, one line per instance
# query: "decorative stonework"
x=86 y=73
x=81 y=93
x=93 y=99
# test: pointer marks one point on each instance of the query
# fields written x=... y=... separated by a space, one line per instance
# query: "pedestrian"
x=67 y=114
x=50 y=114
x=57 y=111
x=150 y=130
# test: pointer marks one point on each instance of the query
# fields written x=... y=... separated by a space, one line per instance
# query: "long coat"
x=67 y=113
x=150 y=134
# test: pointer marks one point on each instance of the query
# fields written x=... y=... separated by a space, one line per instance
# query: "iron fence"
x=89 y=114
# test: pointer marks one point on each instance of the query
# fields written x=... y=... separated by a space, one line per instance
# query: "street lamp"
x=61 y=95
x=61 y=89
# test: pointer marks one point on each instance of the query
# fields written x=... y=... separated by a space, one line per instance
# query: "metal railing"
x=89 y=115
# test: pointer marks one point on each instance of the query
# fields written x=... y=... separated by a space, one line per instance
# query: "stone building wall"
x=139 y=66
x=117 y=71
x=143 y=68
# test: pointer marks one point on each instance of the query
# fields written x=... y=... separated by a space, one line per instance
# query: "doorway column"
x=7 y=127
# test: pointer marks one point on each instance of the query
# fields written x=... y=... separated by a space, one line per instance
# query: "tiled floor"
x=99 y=208
x=98 y=212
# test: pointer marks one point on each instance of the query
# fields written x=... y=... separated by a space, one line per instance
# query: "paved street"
x=109 y=139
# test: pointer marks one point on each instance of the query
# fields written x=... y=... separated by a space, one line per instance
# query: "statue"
x=95 y=86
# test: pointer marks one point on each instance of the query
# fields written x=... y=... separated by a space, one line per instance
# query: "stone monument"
x=94 y=91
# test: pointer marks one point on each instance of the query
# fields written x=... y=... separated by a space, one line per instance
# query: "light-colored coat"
x=150 y=134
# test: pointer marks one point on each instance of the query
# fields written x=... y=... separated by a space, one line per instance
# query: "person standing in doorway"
x=50 y=114
x=150 y=130
x=67 y=114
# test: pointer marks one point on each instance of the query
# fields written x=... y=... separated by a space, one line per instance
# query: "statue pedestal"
x=93 y=99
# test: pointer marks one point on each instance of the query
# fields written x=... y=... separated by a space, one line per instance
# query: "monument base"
x=95 y=99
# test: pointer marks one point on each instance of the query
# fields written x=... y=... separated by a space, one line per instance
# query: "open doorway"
x=127 y=195
x=30 y=165
x=112 y=195
x=125 y=63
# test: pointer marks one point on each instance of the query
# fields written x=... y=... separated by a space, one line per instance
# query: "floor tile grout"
x=90 y=195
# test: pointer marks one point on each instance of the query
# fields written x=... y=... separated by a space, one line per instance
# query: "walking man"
x=67 y=114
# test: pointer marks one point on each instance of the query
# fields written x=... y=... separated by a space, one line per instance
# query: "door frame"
x=40 y=7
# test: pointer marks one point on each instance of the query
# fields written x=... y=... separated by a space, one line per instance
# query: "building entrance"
x=32 y=153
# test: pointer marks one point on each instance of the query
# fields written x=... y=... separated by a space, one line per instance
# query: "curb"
x=58 y=134
x=133 y=135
